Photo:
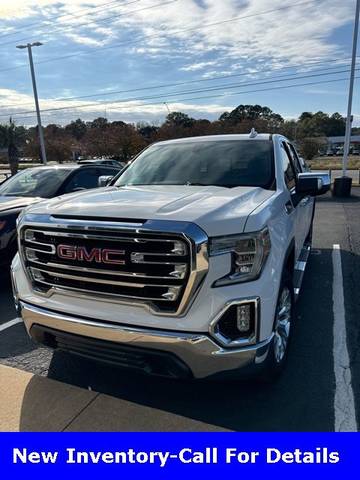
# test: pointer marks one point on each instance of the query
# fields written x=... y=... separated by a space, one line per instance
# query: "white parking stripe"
x=345 y=418
x=9 y=324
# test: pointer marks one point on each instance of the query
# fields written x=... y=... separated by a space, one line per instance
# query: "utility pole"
x=32 y=70
x=342 y=186
x=167 y=107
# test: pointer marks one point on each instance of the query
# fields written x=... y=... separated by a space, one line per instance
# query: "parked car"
x=188 y=265
x=34 y=184
x=339 y=152
x=102 y=161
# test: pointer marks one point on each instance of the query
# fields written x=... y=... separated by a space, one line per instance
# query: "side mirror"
x=104 y=180
x=312 y=183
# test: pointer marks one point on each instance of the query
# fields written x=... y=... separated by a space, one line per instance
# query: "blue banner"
x=175 y=455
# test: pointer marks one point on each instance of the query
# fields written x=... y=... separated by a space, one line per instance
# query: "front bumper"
x=198 y=354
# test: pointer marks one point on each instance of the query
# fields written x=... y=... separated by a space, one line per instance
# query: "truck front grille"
x=150 y=268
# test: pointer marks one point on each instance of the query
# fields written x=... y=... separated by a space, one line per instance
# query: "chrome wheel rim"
x=282 y=324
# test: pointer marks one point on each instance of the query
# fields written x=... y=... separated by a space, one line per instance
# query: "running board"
x=300 y=269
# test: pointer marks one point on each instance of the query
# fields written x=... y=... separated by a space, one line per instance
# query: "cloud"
x=179 y=35
x=130 y=111
x=84 y=40
x=281 y=36
x=197 y=66
x=286 y=35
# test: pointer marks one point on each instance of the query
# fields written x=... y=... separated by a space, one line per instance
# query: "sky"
x=136 y=60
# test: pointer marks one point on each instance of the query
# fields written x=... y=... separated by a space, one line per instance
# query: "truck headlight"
x=249 y=254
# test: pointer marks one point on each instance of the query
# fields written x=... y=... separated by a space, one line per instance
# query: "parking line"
x=344 y=407
x=9 y=324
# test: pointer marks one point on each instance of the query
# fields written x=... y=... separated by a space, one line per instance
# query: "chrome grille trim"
x=97 y=280
x=175 y=294
x=81 y=236
x=133 y=297
x=51 y=252
x=107 y=272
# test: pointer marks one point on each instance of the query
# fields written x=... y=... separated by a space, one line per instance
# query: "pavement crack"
x=80 y=412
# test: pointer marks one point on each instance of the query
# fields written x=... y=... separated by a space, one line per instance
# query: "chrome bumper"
x=198 y=351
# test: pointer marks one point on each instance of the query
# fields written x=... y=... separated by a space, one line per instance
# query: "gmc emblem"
x=97 y=255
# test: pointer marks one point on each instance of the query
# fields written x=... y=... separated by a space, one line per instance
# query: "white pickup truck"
x=187 y=266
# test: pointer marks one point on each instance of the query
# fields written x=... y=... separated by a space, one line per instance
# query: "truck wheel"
x=283 y=325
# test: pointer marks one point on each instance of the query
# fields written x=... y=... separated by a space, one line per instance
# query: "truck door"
x=306 y=204
x=292 y=206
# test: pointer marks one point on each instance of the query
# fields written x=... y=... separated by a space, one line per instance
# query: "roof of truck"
x=219 y=138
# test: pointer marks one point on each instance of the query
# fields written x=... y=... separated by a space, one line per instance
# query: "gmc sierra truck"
x=188 y=265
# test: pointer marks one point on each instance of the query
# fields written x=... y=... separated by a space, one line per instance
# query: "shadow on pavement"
x=49 y=406
x=302 y=399
x=13 y=341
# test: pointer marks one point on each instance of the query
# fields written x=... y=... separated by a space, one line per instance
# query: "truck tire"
x=283 y=327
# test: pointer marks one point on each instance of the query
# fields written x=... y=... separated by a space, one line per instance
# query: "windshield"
x=229 y=163
x=35 y=182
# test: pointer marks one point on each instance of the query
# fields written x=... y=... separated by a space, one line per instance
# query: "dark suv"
x=34 y=184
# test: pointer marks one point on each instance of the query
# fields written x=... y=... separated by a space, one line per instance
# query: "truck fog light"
x=243 y=318
x=237 y=324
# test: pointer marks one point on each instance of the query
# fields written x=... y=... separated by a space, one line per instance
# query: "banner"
x=178 y=455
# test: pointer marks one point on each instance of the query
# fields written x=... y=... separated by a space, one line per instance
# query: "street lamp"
x=41 y=134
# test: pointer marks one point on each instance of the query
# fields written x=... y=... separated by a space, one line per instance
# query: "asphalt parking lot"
x=308 y=397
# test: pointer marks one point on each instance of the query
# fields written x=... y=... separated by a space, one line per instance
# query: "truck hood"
x=14 y=203
x=217 y=210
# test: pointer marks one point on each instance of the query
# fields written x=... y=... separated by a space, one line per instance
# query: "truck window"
x=288 y=169
x=83 y=178
x=295 y=158
x=230 y=163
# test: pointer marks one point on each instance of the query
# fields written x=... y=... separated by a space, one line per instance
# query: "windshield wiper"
x=199 y=184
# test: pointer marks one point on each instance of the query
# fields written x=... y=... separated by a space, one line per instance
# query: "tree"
x=12 y=137
x=310 y=147
x=245 y=113
x=99 y=122
x=59 y=144
x=147 y=131
x=336 y=125
x=119 y=140
x=320 y=124
x=305 y=116
x=289 y=129
x=77 y=128
x=179 y=119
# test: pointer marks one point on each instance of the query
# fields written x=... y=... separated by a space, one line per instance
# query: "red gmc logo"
x=97 y=255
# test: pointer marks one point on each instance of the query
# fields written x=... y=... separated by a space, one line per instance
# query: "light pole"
x=342 y=186
x=41 y=133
